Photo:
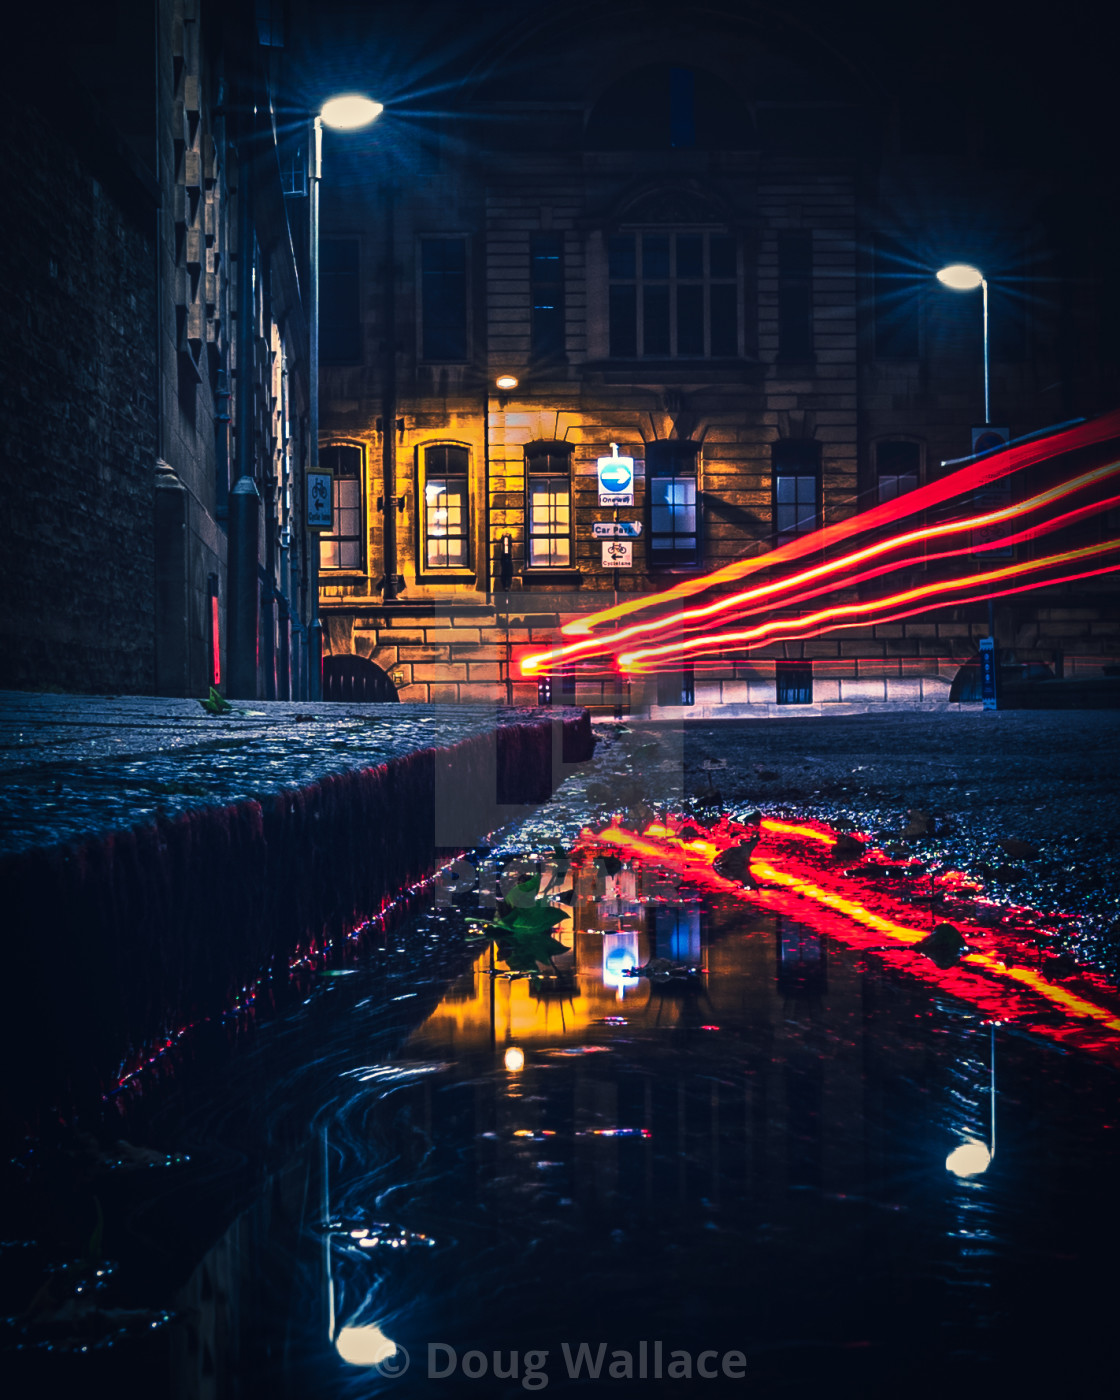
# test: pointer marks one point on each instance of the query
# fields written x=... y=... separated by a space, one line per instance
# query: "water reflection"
x=705 y=1125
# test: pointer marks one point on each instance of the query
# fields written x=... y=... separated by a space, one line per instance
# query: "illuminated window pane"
x=342 y=547
x=446 y=508
x=672 y=496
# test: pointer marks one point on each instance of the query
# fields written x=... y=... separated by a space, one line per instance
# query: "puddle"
x=754 y=1137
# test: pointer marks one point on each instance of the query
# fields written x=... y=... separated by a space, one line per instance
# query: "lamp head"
x=349 y=111
x=506 y=381
x=961 y=277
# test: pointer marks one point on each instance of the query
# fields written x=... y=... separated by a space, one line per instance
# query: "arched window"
x=342 y=547
x=548 y=505
x=446 y=519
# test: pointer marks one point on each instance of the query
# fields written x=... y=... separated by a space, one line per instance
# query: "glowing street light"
x=350 y=111
x=963 y=277
x=506 y=381
x=347 y=112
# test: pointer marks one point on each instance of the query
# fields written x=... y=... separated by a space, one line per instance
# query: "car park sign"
x=616 y=479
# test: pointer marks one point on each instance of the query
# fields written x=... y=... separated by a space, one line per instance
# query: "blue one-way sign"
x=616 y=479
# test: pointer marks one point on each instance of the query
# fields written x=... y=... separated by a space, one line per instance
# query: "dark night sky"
x=1036 y=77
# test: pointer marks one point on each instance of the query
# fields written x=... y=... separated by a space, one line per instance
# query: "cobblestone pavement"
x=73 y=765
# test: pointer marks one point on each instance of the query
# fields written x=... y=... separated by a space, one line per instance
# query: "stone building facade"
x=716 y=253
x=137 y=385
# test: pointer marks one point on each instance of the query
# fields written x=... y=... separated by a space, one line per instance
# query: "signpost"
x=618 y=554
x=319 y=500
x=616 y=529
x=616 y=479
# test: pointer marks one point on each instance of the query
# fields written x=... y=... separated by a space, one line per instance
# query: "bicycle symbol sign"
x=618 y=554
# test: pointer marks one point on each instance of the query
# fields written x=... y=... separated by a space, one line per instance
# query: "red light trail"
x=610 y=642
x=843 y=614
x=992 y=976
x=973 y=477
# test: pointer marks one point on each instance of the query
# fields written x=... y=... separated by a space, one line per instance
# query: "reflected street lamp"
x=347 y=112
x=973 y=1157
x=963 y=277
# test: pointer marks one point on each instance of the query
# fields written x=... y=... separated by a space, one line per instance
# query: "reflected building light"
x=620 y=957
x=969 y=1159
x=515 y=1059
x=364 y=1346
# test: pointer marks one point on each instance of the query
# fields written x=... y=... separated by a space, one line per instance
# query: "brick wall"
x=77 y=395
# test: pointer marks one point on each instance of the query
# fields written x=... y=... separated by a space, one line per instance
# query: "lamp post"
x=963 y=277
x=348 y=112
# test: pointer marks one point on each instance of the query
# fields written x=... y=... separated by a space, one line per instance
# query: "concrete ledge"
x=117 y=937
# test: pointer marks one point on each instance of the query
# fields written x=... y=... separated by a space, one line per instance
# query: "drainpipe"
x=243 y=589
x=389 y=405
x=314 y=626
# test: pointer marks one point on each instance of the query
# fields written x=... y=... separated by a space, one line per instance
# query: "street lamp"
x=963 y=277
x=348 y=112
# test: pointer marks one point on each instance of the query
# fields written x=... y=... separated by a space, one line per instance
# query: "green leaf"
x=539 y=919
x=216 y=703
x=524 y=894
x=524 y=951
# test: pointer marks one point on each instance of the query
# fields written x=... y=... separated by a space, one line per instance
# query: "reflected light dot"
x=969 y=1159
x=515 y=1059
x=364 y=1346
x=350 y=111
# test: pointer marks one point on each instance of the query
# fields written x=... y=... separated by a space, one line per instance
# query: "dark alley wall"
x=77 y=396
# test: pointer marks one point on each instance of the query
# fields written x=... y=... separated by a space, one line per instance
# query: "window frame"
x=335 y=536
x=424 y=301
x=641 y=285
x=883 y=474
x=550 y=450
x=791 y=448
x=443 y=573
x=786 y=672
x=659 y=454
x=543 y=348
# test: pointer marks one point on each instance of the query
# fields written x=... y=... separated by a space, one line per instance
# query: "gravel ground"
x=1028 y=802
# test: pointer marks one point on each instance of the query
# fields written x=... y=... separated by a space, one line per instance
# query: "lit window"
x=796 y=488
x=673 y=295
x=671 y=490
x=342 y=548
x=549 y=486
x=896 y=469
x=446 y=508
